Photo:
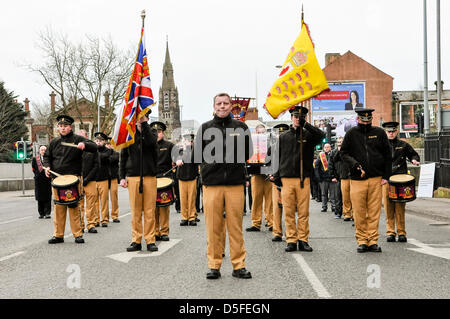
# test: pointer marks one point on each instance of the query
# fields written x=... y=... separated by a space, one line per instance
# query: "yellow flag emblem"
x=300 y=78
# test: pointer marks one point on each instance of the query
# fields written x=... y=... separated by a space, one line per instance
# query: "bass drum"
x=164 y=193
x=402 y=188
x=67 y=190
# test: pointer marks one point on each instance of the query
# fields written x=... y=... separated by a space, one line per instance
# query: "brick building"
x=378 y=85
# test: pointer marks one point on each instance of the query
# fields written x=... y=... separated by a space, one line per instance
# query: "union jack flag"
x=138 y=100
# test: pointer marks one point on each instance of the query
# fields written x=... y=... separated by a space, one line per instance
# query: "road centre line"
x=311 y=276
x=12 y=255
x=15 y=220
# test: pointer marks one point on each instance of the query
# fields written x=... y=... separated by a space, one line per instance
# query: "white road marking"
x=125 y=215
x=15 y=220
x=163 y=246
x=312 y=278
x=12 y=255
x=429 y=250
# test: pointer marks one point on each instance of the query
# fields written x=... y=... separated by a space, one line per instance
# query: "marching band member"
x=102 y=179
x=395 y=212
x=277 y=231
x=66 y=160
x=297 y=146
x=367 y=152
x=142 y=154
x=187 y=175
x=90 y=168
x=261 y=191
x=165 y=163
x=223 y=177
x=114 y=182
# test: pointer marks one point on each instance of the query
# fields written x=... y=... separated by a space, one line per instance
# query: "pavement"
x=434 y=208
x=101 y=268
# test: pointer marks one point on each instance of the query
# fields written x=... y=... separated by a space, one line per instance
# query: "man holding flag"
x=138 y=160
x=300 y=79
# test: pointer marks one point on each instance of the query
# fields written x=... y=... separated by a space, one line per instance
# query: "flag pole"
x=301 y=135
x=141 y=154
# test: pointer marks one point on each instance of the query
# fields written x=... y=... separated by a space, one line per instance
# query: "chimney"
x=331 y=57
x=27 y=106
x=106 y=95
x=52 y=101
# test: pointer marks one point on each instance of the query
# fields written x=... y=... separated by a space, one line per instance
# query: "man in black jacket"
x=102 y=179
x=141 y=157
x=114 y=182
x=63 y=159
x=222 y=147
x=90 y=168
x=165 y=164
x=296 y=152
x=187 y=173
x=367 y=152
x=395 y=212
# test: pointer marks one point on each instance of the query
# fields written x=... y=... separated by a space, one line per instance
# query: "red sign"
x=333 y=95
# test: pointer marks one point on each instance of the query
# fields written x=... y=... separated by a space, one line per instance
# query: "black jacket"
x=65 y=159
x=289 y=151
x=130 y=157
x=222 y=147
x=401 y=151
x=188 y=171
x=90 y=167
x=338 y=168
x=42 y=184
x=114 y=166
x=103 y=163
x=164 y=157
x=321 y=174
x=368 y=146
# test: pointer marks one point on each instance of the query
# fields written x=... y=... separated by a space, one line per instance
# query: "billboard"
x=341 y=97
x=342 y=122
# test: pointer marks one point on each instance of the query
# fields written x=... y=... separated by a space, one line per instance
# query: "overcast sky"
x=229 y=46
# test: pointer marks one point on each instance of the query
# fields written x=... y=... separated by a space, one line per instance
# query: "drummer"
x=164 y=167
x=395 y=212
x=63 y=159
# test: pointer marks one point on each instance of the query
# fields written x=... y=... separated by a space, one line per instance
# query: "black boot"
x=213 y=274
x=291 y=247
x=303 y=246
x=134 y=247
x=242 y=273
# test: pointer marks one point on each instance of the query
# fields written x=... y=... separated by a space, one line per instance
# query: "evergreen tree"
x=12 y=123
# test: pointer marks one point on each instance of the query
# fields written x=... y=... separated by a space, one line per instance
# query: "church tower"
x=168 y=107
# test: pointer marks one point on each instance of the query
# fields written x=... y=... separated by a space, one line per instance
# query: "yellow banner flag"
x=300 y=78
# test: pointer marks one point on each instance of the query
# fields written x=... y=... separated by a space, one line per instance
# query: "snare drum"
x=164 y=194
x=67 y=190
x=402 y=188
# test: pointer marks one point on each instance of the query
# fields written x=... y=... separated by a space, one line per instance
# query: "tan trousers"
x=113 y=195
x=188 y=193
x=261 y=191
x=395 y=214
x=103 y=201
x=218 y=200
x=142 y=203
x=277 y=213
x=366 y=203
x=346 y=201
x=81 y=205
x=162 y=220
x=90 y=191
x=59 y=220
x=294 y=199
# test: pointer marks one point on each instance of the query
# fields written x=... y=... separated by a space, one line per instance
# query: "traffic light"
x=331 y=135
x=29 y=149
x=20 y=150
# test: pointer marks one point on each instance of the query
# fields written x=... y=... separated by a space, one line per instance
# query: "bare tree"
x=86 y=70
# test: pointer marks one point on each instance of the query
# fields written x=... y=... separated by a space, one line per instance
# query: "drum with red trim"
x=164 y=194
x=402 y=188
x=67 y=190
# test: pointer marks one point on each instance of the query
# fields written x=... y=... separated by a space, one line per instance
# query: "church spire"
x=168 y=81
